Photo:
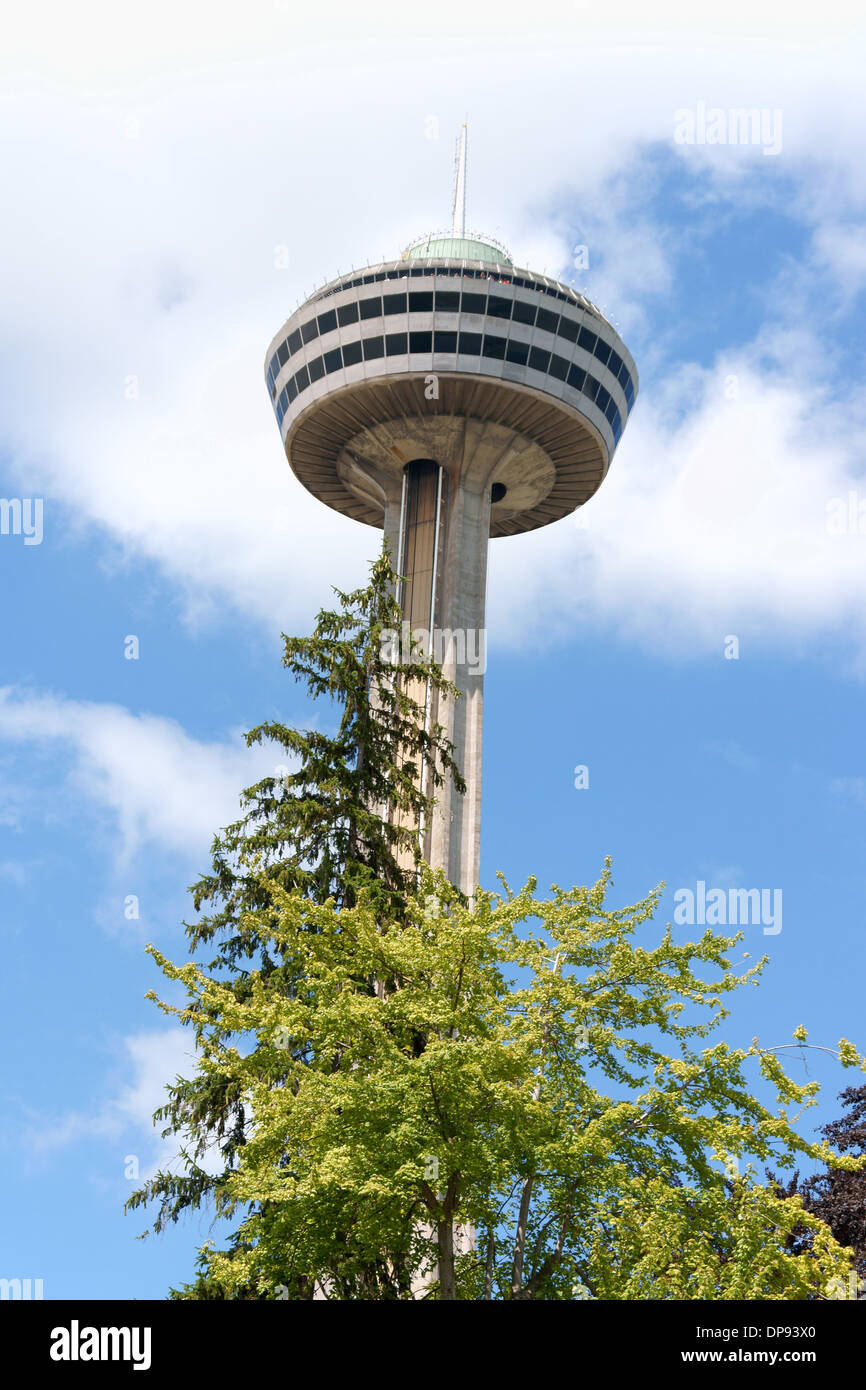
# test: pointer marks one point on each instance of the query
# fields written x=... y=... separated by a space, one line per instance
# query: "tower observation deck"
x=449 y=397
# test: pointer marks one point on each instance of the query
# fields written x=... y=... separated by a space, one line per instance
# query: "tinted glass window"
x=302 y=379
x=517 y=352
x=470 y=343
x=347 y=313
x=615 y=362
x=371 y=308
x=420 y=342
x=282 y=354
x=448 y=301
x=444 y=341
x=309 y=331
x=586 y=339
x=292 y=390
x=623 y=374
x=546 y=320
x=589 y=387
x=523 y=312
x=602 y=398
x=576 y=376
x=327 y=322
x=333 y=360
x=493 y=346
x=610 y=411
x=294 y=341
x=568 y=329
x=351 y=354
x=558 y=367
x=373 y=347
x=421 y=300
x=498 y=307
x=474 y=303
x=317 y=369
x=602 y=351
x=395 y=344
x=395 y=303
x=539 y=358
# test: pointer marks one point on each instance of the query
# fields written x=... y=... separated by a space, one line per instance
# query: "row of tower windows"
x=470 y=344
x=452 y=301
x=503 y=277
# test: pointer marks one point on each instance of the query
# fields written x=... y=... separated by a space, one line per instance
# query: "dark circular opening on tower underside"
x=497 y=492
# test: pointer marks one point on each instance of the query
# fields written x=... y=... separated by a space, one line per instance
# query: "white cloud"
x=150 y=1061
x=713 y=521
x=163 y=788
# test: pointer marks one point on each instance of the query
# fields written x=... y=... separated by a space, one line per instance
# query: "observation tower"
x=448 y=397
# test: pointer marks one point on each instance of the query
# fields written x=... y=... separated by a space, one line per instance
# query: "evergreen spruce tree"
x=337 y=818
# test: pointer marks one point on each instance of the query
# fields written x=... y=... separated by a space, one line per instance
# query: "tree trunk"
x=447 y=1280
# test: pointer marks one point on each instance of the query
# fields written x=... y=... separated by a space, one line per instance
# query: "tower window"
x=474 y=303
x=421 y=342
x=539 y=359
x=373 y=347
x=523 y=312
x=517 y=352
x=443 y=341
x=586 y=339
x=347 y=313
x=333 y=360
x=493 y=346
x=395 y=344
x=589 y=387
x=558 y=367
x=547 y=320
x=448 y=301
x=421 y=301
x=327 y=322
x=568 y=329
x=371 y=308
x=395 y=303
x=317 y=369
x=470 y=343
x=351 y=354
x=309 y=331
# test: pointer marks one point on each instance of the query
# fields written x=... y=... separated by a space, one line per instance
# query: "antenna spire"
x=458 y=211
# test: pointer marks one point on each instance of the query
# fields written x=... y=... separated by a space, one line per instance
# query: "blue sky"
x=153 y=184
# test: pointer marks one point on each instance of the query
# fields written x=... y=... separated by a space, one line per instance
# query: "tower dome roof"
x=457 y=248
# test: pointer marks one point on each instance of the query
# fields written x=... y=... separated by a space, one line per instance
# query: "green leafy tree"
x=336 y=818
x=537 y=1071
